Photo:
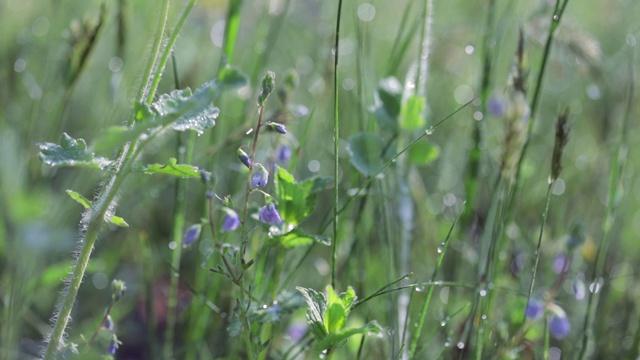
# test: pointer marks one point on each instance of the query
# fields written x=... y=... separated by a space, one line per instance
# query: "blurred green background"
x=50 y=83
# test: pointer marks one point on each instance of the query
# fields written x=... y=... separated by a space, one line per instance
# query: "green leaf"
x=118 y=221
x=70 y=152
x=412 y=111
x=316 y=307
x=172 y=168
x=335 y=338
x=296 y=200
x=79 y=198
x=336 y=315
x=231 y=78
x=297 y=237
x=423 y=153
x=366 y=151
x=179 y=110
x=388 y=100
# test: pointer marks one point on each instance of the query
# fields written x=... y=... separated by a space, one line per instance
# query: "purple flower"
x=246 y=160
x=560 y=263
x=231 y=220
x=277 y=127
x=269 y=215
x=559 y=326
x=113 y=346
x=260 y=176
x=297 y=331
x=496 y=106
x=535 y=308
x=192 y=234
x=108 y=323
x=579 y=290
x=284 y=154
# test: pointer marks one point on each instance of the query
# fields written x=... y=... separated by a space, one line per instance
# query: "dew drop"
x=429 y=131
x=483 y=317
x=594 y=287
x=419 y=288
x=556 y=18
x=439 y=250
x=447 y=344
x=443 y=323
x=483 y=292
x=460 y=345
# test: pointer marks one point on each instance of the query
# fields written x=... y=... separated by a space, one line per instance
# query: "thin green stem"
x=336 y=149
x=617 y=169
x=425 y=306
x=537 y=258
x=168 y=49
x=99 y=211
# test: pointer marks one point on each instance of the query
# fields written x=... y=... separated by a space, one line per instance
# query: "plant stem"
x=97 y=214
x=423 y=314
x=537 y=258
x=336 y=149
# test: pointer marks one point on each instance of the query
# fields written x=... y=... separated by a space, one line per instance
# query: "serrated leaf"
x=180 y=110
x=70 y=152
x=333 y=339
x=79 y=199
x=412 y=111
x=316 y=306
x=172 y=168
x=118 y=221
x=297 y=237
x=366 y=151
x=423 y=153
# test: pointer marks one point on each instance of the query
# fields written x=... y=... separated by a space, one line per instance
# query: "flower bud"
x=535 y=308
x=260 y=176
x=559 y=326
x=277 y=127
x=118 y=289
x=192 y=234
x=231 y=220
x=269 y=215
x=246 y=160
x=268 y=84
x=284 y=154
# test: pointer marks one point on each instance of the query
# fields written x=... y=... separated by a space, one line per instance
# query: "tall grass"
x=374 y=182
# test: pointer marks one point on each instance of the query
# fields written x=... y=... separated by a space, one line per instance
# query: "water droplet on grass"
x=460 y=345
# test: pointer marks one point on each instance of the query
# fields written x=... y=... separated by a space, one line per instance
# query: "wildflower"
x=561 y=264
x=246 y=160
x=268 y=84
x=579 y=289
x=108 y=323
x=231 y=220
x=277 y=127
x=113 y=346
x=269 y=215
x=118 y=289
x=297 y=331
x=535 y=308
x=205 y=177
x=496 y=106
x=284 y=154
x=192 y=234
x=260 y=176
x=559 y=326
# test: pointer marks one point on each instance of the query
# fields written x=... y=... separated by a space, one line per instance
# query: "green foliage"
x=388 y=103
x=71 y=152
x=366 y=153
x=327 y=317
x=172 y=168
x=423 y=153
x=412 y=113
